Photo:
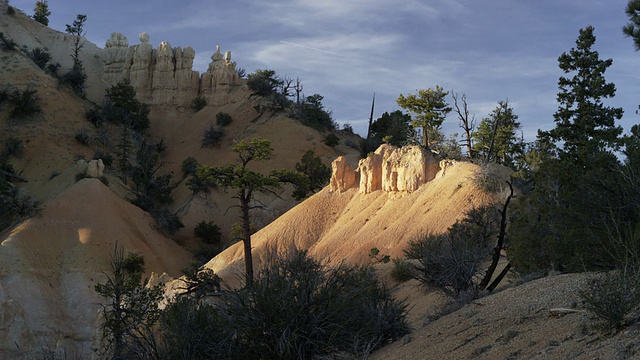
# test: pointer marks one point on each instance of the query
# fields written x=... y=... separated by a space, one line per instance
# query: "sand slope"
x=345 y=226
x=50 y=264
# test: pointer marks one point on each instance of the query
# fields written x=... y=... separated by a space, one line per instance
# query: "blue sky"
x=346 y=50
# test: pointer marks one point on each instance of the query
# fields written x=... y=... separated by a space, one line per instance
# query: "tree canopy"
x=429 y=109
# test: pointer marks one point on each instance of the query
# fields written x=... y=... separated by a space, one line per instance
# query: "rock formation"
x=343 y=177
x=92 y=169
x=389 y=169
x=164 y=76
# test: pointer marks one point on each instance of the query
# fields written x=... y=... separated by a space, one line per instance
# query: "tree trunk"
x=500 y=245
x=246 y=223
x=425 y=137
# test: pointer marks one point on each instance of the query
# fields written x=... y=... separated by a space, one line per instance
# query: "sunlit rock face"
x=165 y=76
x=389 y=169
x=343 y=176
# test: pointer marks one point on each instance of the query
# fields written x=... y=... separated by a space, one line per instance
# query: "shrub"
x=208 y=232
x=83 y=136
x=75 y=79
x=52 y=69
x=189 y=166
x=13 y=147
x=40 y=57
x=212 y=136
x=611 y=297
x=317 y=174
x=107 y=159
x=95 y=116
x=16 y=205
x=11 y=10
x=331 y=140
x=25 y=104
x=402 y=270
x=198 y=103
x=347 y=128
x=167 y=221
x=449 y=262
x=6 y=43
x=263 y=82
x=299 y=308
x=241 y=72
x=223 y=119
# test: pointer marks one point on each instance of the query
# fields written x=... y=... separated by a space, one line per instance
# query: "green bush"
x=208 y=232
x=15 y=205
x=223 y=119
x=331 y=140
x=198 y=103
x=83 y=136
x=299 y=308
x=189 y=166
x=25 y=104
x=402 y=270
x=107 y=159
x=122 y=107
x=6 y=43
x=452 y=262
x=76 y=80
x=40 y=57
x=611 y=297
x=212 y=136
x=13 y=147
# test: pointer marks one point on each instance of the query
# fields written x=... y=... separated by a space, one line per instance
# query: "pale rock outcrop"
x=115 y=56
x=389 y=169
x=370 y=173
x=406 y=168
x=343 y=176
x=95 y=168
x=141 y=59
x=164 y=76
x=163 y=81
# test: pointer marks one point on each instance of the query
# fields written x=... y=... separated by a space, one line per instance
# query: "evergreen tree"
x=247 y=183
x=393 y=128
x=584 y=125
x=429 y=109
x=566 y=222
x=41 y=12
x=632 y=28
x=76 y=78
x=131 y=308
x=496 y=138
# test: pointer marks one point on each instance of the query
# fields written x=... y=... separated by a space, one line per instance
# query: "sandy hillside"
x=515 y=323
x=50 y=264
x=345 y=226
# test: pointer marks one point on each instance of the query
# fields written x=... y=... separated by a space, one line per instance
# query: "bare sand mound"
x=50 y=264
x=345 y=226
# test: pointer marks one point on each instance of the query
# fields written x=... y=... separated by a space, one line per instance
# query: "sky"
x=347 y=50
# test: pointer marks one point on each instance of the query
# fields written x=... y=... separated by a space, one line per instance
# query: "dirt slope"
x=515 y=323
x=345 y=226
x=50 y=264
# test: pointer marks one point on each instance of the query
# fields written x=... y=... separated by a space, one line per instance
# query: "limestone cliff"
x=164 y=76
x=389 y=169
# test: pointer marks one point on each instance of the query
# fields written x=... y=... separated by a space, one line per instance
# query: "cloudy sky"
x=346 y=50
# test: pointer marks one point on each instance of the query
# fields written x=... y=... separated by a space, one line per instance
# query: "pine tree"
x=584 y=125
x=496 y=139
x=430 y=109
x=41 y=12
